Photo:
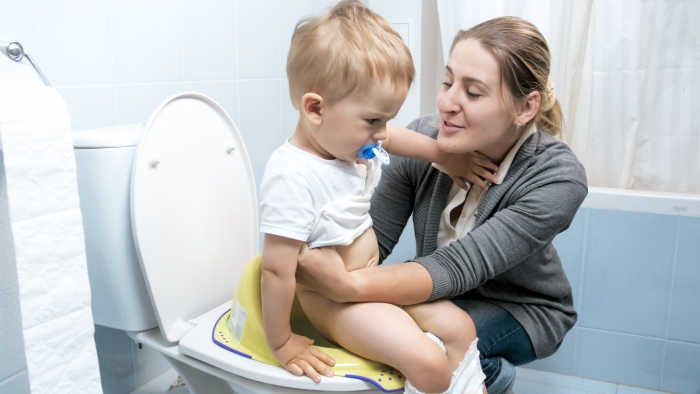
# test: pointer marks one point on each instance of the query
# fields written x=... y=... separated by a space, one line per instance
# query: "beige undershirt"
x=470 y=200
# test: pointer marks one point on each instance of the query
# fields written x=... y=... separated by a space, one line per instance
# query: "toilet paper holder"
x=15 y=52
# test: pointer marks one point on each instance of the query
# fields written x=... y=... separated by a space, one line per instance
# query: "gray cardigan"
x=508 y=258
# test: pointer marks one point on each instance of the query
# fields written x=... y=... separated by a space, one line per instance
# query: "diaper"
x=468 y=378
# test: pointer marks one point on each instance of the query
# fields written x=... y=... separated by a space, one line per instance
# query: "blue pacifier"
x=369 y=151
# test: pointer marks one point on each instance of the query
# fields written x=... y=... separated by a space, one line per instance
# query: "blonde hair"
x=524 y=58
x=347 y=49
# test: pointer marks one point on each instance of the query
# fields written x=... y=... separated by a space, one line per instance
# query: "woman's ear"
x=312 y=108
x=528 y=108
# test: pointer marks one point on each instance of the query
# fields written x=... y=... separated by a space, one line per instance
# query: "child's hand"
x=473 y=167
x=300 y=358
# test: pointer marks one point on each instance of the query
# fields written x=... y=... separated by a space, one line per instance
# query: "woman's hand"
x=473 y=167
x=300 y=358
x=323 y=270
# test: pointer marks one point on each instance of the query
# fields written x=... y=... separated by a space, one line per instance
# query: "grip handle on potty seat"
x=369 y=151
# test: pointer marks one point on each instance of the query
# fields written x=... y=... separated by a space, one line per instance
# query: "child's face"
x=358 y=120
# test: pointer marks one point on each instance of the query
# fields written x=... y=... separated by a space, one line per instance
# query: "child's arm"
x=473 y=167
x=278 y=284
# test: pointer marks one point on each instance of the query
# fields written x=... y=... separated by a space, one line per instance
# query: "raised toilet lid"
x=193 y=209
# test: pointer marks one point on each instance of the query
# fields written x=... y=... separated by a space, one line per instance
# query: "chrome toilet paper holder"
x=15 y=52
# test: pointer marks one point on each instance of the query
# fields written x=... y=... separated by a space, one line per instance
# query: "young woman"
x=489 y=249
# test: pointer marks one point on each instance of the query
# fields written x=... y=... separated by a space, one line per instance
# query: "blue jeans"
x=503 y=343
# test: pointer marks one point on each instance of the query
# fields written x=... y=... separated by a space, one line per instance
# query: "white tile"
x=18 y=22
x=147 y=41
x=395 y=8
x=135 y=103
x=90 y=106
x=76 y=45
x=209 y=39
x=258 y=39
x=223 y=92
x=259 y=104
x=289 y=115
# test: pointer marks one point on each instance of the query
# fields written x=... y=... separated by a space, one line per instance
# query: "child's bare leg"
x=449 y=323
x=384 y=333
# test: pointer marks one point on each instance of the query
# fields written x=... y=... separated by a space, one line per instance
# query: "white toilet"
x=170 y=217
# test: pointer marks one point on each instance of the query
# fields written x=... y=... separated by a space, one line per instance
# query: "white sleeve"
x=287 y=205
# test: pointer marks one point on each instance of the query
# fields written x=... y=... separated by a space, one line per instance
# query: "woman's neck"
x=498 y=151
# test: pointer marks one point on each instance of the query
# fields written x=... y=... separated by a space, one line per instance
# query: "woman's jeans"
x=503 y=343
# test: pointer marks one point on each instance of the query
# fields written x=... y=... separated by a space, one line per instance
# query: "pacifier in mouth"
x=369 y=151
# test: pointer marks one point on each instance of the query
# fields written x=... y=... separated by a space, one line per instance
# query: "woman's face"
x=473 y=114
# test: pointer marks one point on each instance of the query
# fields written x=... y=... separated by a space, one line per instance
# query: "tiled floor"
x=529 y=381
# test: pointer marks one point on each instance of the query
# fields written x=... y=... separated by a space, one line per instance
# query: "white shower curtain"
x=627 y=75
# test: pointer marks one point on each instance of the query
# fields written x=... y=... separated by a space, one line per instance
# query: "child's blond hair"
x=348 y=49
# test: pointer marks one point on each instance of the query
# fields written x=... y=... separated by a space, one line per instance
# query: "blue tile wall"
x=684 y=319
x=13 y=362
x=681 y=368
x=627 y=272
x=563 y=360
x=620 y=358
x=569 y=246
x=638 y=310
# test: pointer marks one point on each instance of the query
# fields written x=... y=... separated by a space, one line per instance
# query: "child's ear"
x=312 y=106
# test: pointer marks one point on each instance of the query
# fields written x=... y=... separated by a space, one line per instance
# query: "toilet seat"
x=194 y=220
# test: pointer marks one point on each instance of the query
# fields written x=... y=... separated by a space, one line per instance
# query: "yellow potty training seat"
x=240 y=330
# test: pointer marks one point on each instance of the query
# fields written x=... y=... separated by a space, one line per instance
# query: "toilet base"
x=204 y=378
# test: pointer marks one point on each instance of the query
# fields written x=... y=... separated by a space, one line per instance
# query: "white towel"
x=48 y=236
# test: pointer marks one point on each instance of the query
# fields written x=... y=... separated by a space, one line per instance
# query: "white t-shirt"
x=317 y=201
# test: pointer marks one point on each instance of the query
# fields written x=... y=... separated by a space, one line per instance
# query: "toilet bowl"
x=170 y=218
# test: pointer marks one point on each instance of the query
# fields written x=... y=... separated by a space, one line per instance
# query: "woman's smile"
x=449 y=127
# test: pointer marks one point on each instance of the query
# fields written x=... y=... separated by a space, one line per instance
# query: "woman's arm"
x=500 y=243
x=473 y=167
x=400 y=284
x=507 y=238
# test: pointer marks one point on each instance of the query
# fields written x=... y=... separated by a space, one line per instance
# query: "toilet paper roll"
x=48 y=236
